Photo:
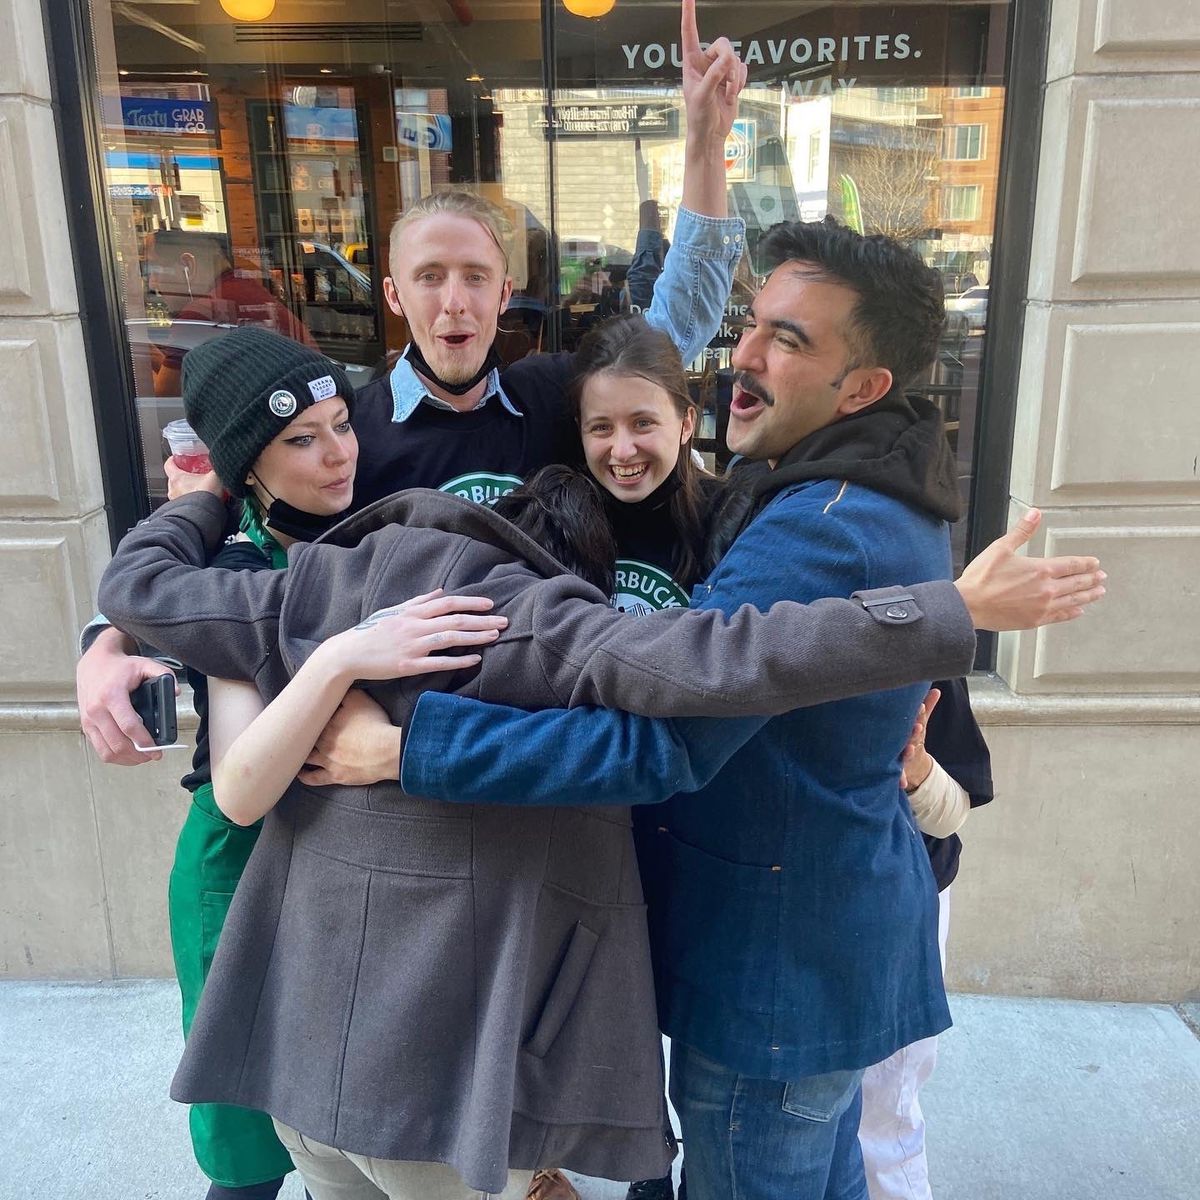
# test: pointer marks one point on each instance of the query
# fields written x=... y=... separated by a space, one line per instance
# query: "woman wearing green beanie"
x=275 y=416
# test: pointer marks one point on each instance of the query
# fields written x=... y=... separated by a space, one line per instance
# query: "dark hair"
x=898 y=320
x=561 y=509
x=627 y=345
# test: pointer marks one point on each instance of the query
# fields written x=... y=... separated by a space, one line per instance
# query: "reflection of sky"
x=117 y=160
x=320 y=124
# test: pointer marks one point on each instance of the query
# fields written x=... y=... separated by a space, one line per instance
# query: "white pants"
x=892 y=1129
x=332 y=1174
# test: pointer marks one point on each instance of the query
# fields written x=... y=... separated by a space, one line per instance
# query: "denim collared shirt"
x=689 y=299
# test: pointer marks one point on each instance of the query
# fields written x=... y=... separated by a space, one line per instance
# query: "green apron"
x=234 y=1147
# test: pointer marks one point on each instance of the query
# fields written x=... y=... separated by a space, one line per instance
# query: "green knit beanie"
x=242 y=389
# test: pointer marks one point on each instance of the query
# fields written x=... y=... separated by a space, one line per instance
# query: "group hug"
x=466 y=837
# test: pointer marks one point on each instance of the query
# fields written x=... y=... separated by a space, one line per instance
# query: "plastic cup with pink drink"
x=188 y=452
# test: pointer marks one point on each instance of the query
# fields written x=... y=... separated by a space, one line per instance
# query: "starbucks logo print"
x=482 y=487
x=642 y=588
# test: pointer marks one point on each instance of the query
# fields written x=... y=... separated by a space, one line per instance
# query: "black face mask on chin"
x=293 y=522
x=418 y=362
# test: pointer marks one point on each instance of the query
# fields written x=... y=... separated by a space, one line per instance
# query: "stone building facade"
x=1081 y=880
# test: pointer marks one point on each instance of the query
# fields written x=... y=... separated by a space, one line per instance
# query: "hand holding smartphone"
x=154 y=703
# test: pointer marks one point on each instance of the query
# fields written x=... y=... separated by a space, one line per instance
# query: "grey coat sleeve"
x=158 y=589
x=702 y=662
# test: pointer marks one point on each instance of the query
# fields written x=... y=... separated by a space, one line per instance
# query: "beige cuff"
x=940 y=805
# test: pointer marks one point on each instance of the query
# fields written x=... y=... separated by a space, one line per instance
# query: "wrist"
x=916 y=778
x=112 y=642
x=329 y=664
x=970 y=601
x=393 y=744
x=705 y=148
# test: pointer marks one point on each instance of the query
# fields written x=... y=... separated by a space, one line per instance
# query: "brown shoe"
x=551 y=1185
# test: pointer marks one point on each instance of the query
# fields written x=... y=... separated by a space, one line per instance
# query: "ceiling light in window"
x=475 y=78
x=326 y=70
x=248 y=10
x=589 y=8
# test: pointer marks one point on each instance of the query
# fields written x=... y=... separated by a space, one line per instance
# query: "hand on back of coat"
x=413 y=638
x=360 y=746
x=1003 y=589
x=916 y=761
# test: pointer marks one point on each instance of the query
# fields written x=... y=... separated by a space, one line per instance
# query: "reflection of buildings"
x=597 y=177
x=925 y=165
x=885 y=140
x=969 y=170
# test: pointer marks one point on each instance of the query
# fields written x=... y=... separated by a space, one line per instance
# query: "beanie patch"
x=323 y=388
x=282 y=403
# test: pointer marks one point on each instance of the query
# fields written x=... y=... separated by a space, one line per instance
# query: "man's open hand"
x=1003 y=589
x=358 y=747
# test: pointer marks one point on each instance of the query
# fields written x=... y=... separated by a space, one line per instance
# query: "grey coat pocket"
x=564 y=990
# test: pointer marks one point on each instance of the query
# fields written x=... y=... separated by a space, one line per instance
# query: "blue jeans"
x=758 y=1139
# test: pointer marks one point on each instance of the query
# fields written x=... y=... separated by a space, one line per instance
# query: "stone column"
x=1083 y=880
x=81 y=859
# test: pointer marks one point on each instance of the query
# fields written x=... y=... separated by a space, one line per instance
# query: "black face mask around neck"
x=417 y=361
x=293 y=522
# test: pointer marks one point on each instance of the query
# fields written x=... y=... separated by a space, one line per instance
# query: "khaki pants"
x=331 y=1174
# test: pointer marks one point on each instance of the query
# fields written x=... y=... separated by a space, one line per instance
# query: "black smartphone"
x=154 y=702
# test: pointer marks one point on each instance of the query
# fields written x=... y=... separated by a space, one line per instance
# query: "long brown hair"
x=627 y=345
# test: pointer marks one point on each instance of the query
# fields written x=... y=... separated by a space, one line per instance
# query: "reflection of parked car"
x=972 y=304
x=578 y=249
x=334 y=298
x=359 y=255
x=335 y=277
x=147 y=340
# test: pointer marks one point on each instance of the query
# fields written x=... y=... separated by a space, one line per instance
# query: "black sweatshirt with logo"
x=479 y=455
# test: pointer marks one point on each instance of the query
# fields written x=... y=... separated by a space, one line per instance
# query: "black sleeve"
x=954 y=738
x=240 y=556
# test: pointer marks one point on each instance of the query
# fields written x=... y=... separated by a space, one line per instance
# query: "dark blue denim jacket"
x=793 y=911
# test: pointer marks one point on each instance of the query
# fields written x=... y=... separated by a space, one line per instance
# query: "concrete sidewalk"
x=1032 y=1100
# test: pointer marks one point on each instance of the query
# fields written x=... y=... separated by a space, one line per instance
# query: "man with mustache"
x=447 y=416
x=792 y=908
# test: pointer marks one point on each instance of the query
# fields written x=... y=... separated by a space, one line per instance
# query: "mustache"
x=751 y=385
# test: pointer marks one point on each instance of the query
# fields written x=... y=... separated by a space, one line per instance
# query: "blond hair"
x=456 y=202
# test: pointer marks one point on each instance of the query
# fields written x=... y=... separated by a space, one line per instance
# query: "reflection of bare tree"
x=895 y=187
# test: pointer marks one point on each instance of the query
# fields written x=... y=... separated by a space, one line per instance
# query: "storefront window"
x=253 y=169
x=887 y=117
